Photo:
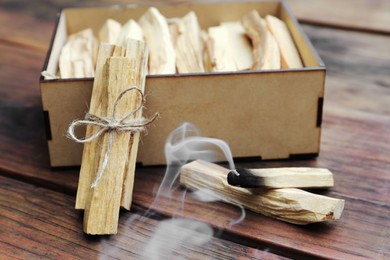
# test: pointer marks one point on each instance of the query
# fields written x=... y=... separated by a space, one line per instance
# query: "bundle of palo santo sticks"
x=180 y=45
x=272 y=192
x=108 y=163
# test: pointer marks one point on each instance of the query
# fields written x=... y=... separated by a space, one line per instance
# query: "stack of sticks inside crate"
x=180 y=45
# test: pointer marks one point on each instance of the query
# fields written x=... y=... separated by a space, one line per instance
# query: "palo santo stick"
x=78 y=55
x=188 y=44
x=110 y=31
x=239 y=46
x=131 y=30
x=208 y=67
x=291 y=205
x=289 y=53
x=138 y=53
x=161 y=52
x=98 y=107
x=266 y=52
x=228 y=48
x=288 y=177
x=218 y=50
x=102 y=209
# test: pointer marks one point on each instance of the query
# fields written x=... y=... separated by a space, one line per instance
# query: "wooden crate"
x=270 y=114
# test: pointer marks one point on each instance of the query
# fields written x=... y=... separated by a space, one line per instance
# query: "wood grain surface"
x=37 y=219
x=362 y=15
x=36 y=223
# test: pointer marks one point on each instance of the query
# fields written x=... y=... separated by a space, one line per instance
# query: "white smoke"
x=183 y=145
x=175 y=233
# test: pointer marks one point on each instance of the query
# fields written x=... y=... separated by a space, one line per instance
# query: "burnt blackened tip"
x=244 y=178
x=233 y=178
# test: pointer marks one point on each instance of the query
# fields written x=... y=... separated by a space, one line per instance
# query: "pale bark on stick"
x=162 y=55
x=289 y=53
x=287 y=204
x=186 y=35
x=77 y=56
x=266 y=52
x=130 y=30
x=110 y=31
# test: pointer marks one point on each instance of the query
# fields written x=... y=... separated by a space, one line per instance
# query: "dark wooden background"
x=37 y=218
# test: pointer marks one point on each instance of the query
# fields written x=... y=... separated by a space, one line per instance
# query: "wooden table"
x=37 y=218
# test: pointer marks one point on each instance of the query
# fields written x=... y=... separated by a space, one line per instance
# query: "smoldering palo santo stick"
x=288 y=177
x=287 y=204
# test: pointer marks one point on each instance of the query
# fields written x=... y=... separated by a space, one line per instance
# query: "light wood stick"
x=188 y=44
x=110 y=31
x=77 y=56
x=137 y=52
x=130 y=30
x=288 y=204
x=289 y=53
x=239 y=46
x=218 y=50
x=208 y=67
x=102 y=209
x=287 y=177
x=266 y=52
x=161 y=52
x=98 y=107
x=228 y=48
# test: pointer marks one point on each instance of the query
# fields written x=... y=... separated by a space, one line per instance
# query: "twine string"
x=110 y=125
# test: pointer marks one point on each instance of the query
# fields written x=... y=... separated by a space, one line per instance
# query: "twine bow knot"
x=111 y=125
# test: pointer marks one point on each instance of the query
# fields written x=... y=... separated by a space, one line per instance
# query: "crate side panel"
x=269 y=115
x=65 y=101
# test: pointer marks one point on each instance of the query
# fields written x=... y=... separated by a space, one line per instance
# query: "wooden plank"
x=363 y=15
x=354 y=83
x=39 y=223
x=18 y=31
